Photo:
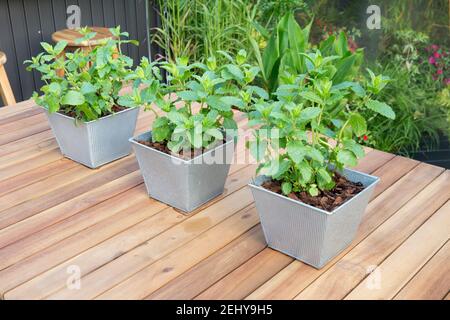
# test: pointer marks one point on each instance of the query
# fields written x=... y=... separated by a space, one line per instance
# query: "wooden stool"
x=5 y=87
x=71 y=35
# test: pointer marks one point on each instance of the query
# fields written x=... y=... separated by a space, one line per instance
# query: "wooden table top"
x=58 y=217
x=71 y=35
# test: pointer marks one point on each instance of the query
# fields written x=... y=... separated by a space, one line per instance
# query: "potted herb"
x=186 y=156
x=310 y=205
x=81 y=98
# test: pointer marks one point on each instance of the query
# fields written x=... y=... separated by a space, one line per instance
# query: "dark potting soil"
x=343 y=191
x=72 y=113
x=162 y=146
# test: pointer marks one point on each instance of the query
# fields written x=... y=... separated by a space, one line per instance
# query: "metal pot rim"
x=133 y=141
x=92 y=121
x=254 y=184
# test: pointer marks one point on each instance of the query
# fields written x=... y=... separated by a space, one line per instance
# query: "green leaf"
x=296 y=151
x=323 y=178
x=286 y=187
x=354 y=147
x=305 y=172
x=259 y=91
x=59 y=47
x=258 y=149
x=229 y=124
x=347 y=158
x=314 y=154
x=381 y=108
x=195 y=138
x=73 y=98
x=310 y=113
x=311 y=96
x=177 y=117
x=87 y=88
x=161 y=129
x=47 y=47
x=358 y=124
x=235 y=72
x=278 y=168
x=54 y=88
x=232 y=101
x=188 y=95
x=216 y=133
x=313 y=191
x=358 y=90
x=216 y=102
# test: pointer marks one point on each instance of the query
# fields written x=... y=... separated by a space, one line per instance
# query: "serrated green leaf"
x=311 y=96
x=258 y=149
x=358 y=124
x=73 y=98
x=354 y=147
x=381 y=108
x=305 y=172
x=286 y=188
x=188 y=95
x=347 y=158
x=216 y=133
x=296 y=151
x=310 y=113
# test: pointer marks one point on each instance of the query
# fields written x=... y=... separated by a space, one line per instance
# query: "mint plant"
x=311 y=129
x=197 y=100
x=84 y=84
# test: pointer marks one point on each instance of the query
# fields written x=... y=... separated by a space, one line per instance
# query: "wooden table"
x=59 y=219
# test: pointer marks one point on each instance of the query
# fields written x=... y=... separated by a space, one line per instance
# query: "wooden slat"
x=297 y=276
x=19 y=115
x=15 y=125
x=35 y=175
x=25 y=143
x=68 y=208
x=341 y=278
x=206 y=273
x=243 y=280
x=102 y=254
x=404 y=263
x=167 y=268
x=432 y=282
x=145 y=255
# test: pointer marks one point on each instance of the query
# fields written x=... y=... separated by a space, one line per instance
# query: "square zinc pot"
x=310 y=234
x=184 y=184
x=97 y=142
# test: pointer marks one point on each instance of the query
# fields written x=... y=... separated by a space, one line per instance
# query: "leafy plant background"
x=418 y=93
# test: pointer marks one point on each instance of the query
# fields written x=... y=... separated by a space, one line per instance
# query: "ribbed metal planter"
x=182 y=184
x=96 y=142
x=304 y=232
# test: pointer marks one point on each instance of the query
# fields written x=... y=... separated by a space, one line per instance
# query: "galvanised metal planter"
x=304 y=232
x=97 y=142
x=183 y=184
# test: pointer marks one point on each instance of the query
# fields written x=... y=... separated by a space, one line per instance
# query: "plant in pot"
x=81 y=98
x=186 y=156
x=309 y=203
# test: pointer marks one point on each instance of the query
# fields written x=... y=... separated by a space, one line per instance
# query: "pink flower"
x=436 y=55
x=439 y=71
x=434 y=47
x=447 y=81
x=431 y=60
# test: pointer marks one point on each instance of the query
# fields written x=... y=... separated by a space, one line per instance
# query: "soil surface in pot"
x=162 y=146
x=72 y=114
x=326 y=200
